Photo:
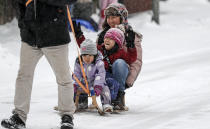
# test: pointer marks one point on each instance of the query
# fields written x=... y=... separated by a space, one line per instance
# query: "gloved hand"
x=98 y=90
x=77 y=29
x=130 y=37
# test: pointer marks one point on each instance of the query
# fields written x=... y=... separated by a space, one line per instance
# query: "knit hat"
x=88 y=47
x=117 y=9
x=117 y=35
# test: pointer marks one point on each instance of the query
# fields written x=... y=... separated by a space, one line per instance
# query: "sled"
x=86 y=24
x=93 y=106
x=117 y=111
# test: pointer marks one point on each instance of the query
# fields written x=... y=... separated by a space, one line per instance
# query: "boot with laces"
x=67 y=122
x=14 y=122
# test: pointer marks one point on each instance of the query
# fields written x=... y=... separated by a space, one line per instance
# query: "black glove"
x=130 y=37
x=77 y=29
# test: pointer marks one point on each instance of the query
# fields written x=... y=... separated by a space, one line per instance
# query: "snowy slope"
x=172 y=91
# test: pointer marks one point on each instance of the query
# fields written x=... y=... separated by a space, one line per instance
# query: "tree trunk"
x=6 y=11
x=155 y=10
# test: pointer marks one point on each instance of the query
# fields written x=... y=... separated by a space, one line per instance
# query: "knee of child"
x=119 y=63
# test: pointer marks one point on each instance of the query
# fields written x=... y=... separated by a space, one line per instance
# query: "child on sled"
x=95 y=72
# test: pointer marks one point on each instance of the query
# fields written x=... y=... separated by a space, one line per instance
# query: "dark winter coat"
x=47 y=26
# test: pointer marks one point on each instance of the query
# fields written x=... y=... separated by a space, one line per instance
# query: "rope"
x=28 y=2
x=86 y=89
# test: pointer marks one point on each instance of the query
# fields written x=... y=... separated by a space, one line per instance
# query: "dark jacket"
x=47 y=26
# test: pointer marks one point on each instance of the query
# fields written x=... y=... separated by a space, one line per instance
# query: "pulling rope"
x=28 y=2
x=86 y=89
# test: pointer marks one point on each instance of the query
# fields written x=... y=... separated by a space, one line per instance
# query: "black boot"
x=119 y=102
x=14 y=122
x=83 y=101
x=67 y=122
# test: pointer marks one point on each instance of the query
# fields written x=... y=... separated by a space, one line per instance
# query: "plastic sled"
x=85 y=24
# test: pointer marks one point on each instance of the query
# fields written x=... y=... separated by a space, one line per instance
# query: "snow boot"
x=83 y=101
x=107 y=108
x=67 y=122
x=14 y=122
x=119 y=102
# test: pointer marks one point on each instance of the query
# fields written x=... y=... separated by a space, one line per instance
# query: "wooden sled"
x=94 y=103
x=95 y=106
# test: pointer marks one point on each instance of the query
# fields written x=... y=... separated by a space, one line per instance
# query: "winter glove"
x=130 y=37
x=98 y=90
x=77 y=29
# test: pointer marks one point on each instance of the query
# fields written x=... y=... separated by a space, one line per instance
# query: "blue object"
x=84 y=23
x=92 y=92
x=113 y=85
x=120 y=72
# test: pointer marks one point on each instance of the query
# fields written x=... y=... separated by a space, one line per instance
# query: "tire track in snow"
x=168 y=111
x=166 y=67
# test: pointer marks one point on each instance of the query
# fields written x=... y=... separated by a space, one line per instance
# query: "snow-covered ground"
x=172 y=91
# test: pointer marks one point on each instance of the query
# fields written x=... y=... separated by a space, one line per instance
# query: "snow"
x=172 y=91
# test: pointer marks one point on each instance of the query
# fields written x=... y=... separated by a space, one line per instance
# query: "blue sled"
x=85 y=24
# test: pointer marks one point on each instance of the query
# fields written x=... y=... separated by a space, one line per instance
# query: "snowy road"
x=172 y=91
x=177 y=92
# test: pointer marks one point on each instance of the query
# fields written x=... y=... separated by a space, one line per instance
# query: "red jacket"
x=130 y=56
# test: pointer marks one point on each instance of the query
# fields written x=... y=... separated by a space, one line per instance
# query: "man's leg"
x=29 y=57
x=57 y=56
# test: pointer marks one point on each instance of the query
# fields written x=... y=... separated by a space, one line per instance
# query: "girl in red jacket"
x=112 y=49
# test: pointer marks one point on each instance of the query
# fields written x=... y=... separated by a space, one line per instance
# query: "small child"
x=115 y=57
x=112 y=48
x=95 y=72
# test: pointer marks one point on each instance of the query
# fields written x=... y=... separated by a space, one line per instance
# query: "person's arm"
x=78 y=33
x=100 y=75
x=135 y=67
x=58 y=2
x=130 y=56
